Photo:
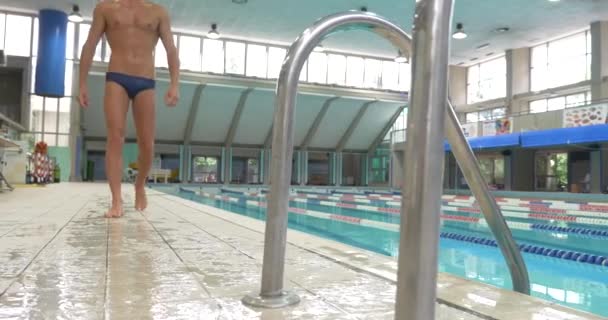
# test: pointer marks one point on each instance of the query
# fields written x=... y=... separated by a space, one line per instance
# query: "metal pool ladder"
x=422 y=189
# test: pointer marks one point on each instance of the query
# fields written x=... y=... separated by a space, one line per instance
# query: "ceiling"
x=530 y=21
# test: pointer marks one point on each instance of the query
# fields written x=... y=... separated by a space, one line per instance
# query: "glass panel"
x=108 y=53
x=190 y=53
x=539 y=78
x=499 y=113
x=485 y=115
x=63 y=140
x=235 y=58
x=472 y=117
x=473 y=74
x=69 y=73
x=35 y=38
x=33 y=82
x=556 y=103
x=17 y=41
x=538 y=106
x=317 y=67
x=572 y=46
x=50 y=114
x=36 y=107
x=405 y=76
x=275 y=61
x=257 y=61
x=83 y=34
x=64 y=115
x=390 y=75
x=69 y=45
x=304 y=72
x=373 y=72
x=160 y=56
x=205 y=169
x=354 y=71
x=2 y=28
x=213 y=56
x=336 y=73
x=575 y=100
x=50 y=139
x=539 y=57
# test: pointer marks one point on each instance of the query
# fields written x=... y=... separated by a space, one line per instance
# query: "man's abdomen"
x=131 y=64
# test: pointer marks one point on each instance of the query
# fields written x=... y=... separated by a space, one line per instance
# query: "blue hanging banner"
x=50 y=66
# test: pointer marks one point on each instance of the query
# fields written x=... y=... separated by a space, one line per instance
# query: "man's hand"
x=83 y=96
x=172 y=96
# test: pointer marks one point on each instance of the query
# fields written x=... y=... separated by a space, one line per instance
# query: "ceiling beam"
x=268 y=140
x=194 y=106
x=312 y=131
x=353 y=125
x=236 y=118
x=387 y=127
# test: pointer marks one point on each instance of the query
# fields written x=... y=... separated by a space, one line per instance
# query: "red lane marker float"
x=345 y=218
x=552 y=217
x=459 y=218
x=390 y=210
x=469 y=210
x=595 y=208
x=346 y=205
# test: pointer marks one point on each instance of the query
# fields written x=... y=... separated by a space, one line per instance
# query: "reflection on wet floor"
x=61 y=259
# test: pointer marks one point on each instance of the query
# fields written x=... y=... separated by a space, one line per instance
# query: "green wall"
x=62 y=155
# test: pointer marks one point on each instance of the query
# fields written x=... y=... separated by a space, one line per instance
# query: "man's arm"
x=98 y=27
x=166 y=37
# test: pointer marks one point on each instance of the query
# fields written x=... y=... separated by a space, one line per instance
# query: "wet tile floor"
x=61 y=259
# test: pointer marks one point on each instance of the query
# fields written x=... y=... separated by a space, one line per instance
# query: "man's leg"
x=116 y=105
x=144 y=114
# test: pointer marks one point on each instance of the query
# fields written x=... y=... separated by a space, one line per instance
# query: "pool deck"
x=61 y=259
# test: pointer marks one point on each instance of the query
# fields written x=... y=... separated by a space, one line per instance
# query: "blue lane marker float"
x=580 y=231
x=533 y=249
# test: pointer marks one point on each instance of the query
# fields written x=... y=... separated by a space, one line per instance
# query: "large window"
x=18 y=40
x=487 y=81
x=213 y=56
x=488 y=114
x=559 y=103
x=257 y=61
x=355 y=68
x=317 y=67
x=551 y=171
x=235 y=58
x=275 y=62
x=190 y=53
x=2 y=28
x=561 y=62
x=205 y=169
x=336 y=73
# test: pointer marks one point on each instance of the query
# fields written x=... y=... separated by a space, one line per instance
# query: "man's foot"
x=115 y=211
x=141 y=201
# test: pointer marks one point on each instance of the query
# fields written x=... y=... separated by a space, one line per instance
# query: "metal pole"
x=470 y=169
x=272 y=294
x=423 y=163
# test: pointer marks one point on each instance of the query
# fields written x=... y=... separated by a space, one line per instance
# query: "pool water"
x=578 y=285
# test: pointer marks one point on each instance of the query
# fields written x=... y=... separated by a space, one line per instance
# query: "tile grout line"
x=42 y=249
x=176 y=254
x=344 y=264
x=107 y=278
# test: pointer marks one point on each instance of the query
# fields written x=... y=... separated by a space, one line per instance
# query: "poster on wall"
x=586 y=116
x=497 y=127
x=470 y=129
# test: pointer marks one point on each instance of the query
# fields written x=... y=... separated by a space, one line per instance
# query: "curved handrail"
x=426 y=146
x=470 y=169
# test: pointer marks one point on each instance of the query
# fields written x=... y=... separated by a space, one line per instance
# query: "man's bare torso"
x=132 y=31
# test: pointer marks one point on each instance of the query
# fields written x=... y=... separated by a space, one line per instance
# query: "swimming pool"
x=564 y=243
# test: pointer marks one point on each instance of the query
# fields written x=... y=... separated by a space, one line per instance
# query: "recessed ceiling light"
x=473 y=59
x=460 y=64
x=553 y=0
x=489 y=54
x=459 y=34
x=502 y=30
x=239 y=1
x=483 y=46
x=400 y=58
x=213 y=33
x=75 y=16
